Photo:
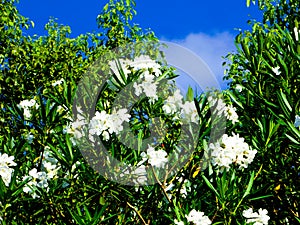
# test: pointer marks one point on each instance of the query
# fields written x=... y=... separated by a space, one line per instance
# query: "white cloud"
x=211 y=49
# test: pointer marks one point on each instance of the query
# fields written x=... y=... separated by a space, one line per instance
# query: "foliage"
x=266 y=68
x=54 y=184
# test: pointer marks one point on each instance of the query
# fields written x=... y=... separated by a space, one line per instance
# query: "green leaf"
x=234 y=98
x=190 y=94
x=249 y=186
x=208 y=183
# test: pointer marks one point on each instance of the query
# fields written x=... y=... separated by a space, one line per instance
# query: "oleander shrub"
x=246 y=174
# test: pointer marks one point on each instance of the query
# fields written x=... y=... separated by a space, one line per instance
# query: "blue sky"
x=207 y=28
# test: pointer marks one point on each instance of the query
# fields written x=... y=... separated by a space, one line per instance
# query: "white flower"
x=5 y=171
x=36 y=180
x=148 y=86
x=99 y=123
x=105 y=124
x=229 y=150
x=138 y=89
x=231 y=114
x=117 y=118
x=220 y=108
x=150 y=90
x=145 y=62
x=156 y=158
x=178 y=222
x=198 y=218
x=239 y=88
x=296 y=31
x=260 y=218
x=297 y=121
x=218 y=105
x=58 y=82
x=189 y=112
x=185 y=187
x=173 y=103
x=49 y=164
x=27 y=113
x=276 y=70
x=26 y=105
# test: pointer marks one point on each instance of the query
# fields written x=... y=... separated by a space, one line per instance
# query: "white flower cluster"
x=5 y=171
x=50 y=164
x=156 y=158
x=231 y=149
x=40 y=179
x=175 y=105
x=106 y=124
x=75 y=128
x=297 y=121
x=142 y=62
x=148 y=86
x=198 y=218
x=36 y=180
x=222 y=109
x=260 y=218
x=150 y=69
x=27 y=105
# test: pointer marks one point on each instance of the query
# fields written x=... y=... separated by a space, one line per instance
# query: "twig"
x=161 y=185
x=137 y=212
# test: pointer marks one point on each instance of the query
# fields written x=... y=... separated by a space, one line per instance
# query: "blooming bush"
x=247 y=174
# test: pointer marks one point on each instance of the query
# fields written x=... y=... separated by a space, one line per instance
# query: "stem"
x=162 y=186
x=261 y=166
x=137 y=212
x=238 y=205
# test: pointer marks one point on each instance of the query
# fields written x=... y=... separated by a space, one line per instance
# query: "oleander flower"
x=231 y=114
x=50 y=164
x=296 y=32
x=126 y=66
x=220 y=108
x=5 y=171
x=58 y=82
x=147 y=85
x=198 y=218
x=27 y=106
x=156 y=158
x=189 y=112
x=276 y=70
x=35 y=180
x=145 y=62
x=239 y=88
x=173 y=104
x=105 y=124
x=260 y=218
x=231 y=150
